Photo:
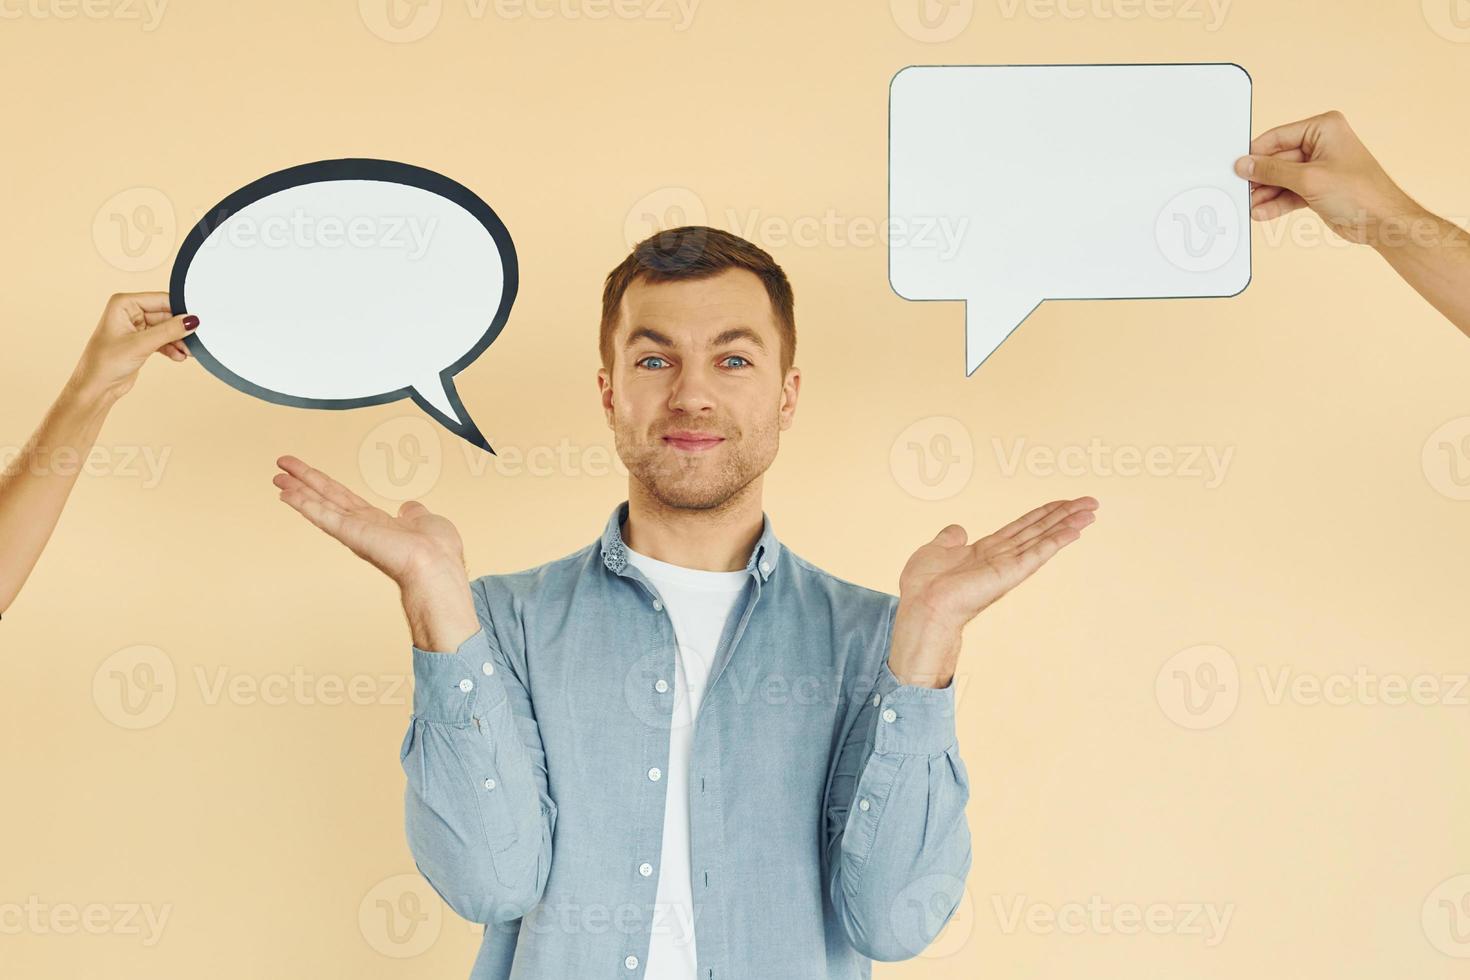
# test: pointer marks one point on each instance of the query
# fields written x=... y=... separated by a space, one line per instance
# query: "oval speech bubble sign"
x=346 y=283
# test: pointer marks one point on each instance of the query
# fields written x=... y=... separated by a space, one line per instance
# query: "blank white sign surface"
x=337 y=316
x=1013 y=184
x=345 y=283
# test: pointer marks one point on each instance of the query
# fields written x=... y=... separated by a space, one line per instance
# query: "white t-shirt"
x=699 y=603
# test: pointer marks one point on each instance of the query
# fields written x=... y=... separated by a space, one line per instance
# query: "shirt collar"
x=763 y=557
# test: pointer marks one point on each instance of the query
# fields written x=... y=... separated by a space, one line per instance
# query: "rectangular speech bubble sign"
x=1065 y=182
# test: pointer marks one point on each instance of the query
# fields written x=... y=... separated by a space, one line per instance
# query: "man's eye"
x=737 y=357
x=651 y=357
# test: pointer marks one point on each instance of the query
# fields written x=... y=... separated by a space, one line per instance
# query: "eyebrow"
x=724 y=337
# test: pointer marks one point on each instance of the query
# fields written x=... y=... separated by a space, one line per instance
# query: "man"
x=683 y=751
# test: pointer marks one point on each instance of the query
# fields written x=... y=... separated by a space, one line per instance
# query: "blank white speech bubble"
x=347 y=283
x=1014 y=184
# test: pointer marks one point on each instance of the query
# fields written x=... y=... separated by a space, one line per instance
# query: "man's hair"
x=697 y=252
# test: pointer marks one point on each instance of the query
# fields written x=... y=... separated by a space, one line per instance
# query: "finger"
x=147 y=302
x=1041 y=550
x=313 y=506
x=1272 y=170
x=1284 y=203
x=1043 y=517
x=154 y=302
x=289 y=484
x=1026 y=519
x=1071 y=508
x=1286 y=137
x=1044 y=548
x=165 y=332
x=325 y=517
x=1263 y=193
x=1022 y=564
x=1077 y=521
x=285 y=481
x=1268 y=191
x=177 y=351
x=1074 y=520
x=950 y=536
x=321 y=485
x=324 y=485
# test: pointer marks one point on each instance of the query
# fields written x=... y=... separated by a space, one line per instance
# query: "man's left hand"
x=947 y=583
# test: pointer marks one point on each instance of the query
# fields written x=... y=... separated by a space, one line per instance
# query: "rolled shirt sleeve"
x=898 y=849
x=448 y=687
x=478 y=817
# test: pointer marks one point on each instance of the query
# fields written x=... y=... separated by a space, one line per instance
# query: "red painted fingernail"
x=190 y=322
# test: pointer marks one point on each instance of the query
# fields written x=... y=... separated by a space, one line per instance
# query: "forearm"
x=1433 y=256
x=439 y=608
x=924 y=651
x=35 y=485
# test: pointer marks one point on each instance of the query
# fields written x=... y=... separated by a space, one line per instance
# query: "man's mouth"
x=693 y=442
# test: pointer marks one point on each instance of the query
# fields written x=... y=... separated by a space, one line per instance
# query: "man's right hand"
x=419 y=550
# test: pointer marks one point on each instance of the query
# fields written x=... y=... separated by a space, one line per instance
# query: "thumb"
x=165 y=332
x=951 y=535
x=1272 y=170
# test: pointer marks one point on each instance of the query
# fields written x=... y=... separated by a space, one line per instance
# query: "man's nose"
x=693 y=391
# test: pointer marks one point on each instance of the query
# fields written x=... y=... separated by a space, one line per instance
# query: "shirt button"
x=863 y=804
x=876 y=699
x=766 y=567
x=654 y=774
x=888 y=714
x=467 y=685
x=631 y=962
x=488 y=668
x=657 y=604
x=645 y=869
x=489 y=784
x=661 y=685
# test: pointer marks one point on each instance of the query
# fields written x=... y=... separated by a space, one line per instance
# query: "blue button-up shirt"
x=826 y=798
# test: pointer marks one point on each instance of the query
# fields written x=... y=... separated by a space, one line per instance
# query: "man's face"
x=695 y=398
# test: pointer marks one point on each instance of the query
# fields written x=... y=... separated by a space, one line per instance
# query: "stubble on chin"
x=691 y=483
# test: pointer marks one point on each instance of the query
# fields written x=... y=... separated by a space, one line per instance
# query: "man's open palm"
x=954 y=581
x=416 y=543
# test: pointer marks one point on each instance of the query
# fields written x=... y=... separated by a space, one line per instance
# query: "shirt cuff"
x=454 y=687
x=913 y=719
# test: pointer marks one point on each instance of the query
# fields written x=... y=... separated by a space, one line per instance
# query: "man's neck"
x=716 y=540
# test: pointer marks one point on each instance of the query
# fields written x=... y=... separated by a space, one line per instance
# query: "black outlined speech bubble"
x=346 y=283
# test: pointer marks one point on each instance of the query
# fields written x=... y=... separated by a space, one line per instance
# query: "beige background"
x=202 y=700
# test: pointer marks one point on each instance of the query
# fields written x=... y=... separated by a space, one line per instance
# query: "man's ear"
x=605 y=392
x=790 y=389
